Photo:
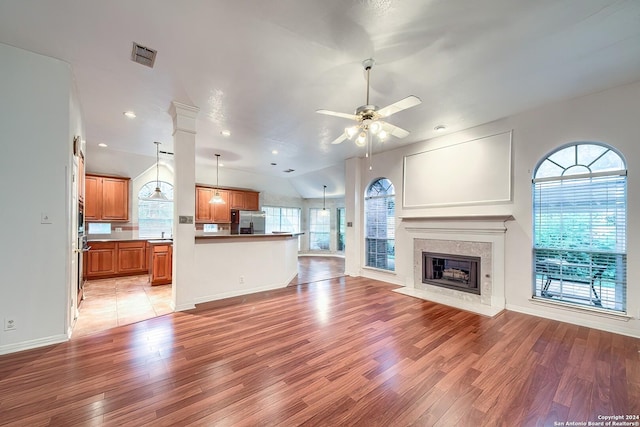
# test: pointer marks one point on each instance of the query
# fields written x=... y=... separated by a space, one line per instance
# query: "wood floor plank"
x=342 y=351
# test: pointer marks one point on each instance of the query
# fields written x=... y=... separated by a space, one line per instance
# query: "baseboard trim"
x=31 y=344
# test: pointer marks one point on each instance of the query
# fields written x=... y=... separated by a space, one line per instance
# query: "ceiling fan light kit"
x=369 y=118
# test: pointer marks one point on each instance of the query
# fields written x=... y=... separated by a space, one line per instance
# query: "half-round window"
x=380 y=208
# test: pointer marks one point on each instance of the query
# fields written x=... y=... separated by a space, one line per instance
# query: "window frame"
x=315 y=214
x=167 y=189
x=575 y=250
x=374 y=193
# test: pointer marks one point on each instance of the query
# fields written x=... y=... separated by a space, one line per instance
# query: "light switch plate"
x=183 y=219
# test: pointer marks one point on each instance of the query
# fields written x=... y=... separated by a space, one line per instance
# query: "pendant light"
x=157 y=194
x=324 y=211
x=217 y=199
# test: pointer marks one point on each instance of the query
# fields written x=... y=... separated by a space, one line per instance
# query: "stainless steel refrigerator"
x=247 y=222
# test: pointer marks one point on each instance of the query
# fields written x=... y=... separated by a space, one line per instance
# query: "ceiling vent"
x=288 y=170
x=143 y=55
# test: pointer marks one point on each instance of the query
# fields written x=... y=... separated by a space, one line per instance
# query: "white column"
x=353 y=203
x=184 y=203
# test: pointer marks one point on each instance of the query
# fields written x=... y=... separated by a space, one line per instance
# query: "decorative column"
x=184 y=203
x=353 y=203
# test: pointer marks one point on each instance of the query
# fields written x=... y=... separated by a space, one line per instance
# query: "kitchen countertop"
x=89 y=240
x=247 y=236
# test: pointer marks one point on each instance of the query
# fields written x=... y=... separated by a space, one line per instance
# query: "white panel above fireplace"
x=470 y=172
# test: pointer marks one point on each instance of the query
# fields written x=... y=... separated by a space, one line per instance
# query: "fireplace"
x=458 y=272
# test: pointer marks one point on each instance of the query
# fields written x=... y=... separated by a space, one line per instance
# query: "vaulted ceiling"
x=262 y=68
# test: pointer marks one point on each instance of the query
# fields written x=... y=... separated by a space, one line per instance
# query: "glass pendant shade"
x=217 y=198
x=157 y=193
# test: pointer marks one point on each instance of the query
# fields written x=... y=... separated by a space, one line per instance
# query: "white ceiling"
x=262 y=68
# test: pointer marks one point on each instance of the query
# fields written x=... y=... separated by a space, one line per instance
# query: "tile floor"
x=120 y=301
x=109 y=303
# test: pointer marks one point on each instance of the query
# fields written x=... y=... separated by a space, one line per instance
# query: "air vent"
x=288 y=170
x=143 y=55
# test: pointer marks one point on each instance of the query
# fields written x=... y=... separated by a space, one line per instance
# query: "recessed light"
x=102 y=144
x=130 y=114
x=440 y=128
x=274 y=152
x=225 y=132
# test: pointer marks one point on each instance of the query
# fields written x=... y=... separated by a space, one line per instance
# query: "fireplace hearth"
x=456 y=272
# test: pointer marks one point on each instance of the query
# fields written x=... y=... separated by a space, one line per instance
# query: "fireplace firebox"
x=457 y=272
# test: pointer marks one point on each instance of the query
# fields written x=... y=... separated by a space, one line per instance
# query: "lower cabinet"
x=160 y=260
x=112 y=259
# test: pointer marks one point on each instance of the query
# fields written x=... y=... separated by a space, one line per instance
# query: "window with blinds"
x=579 y=227
x=380 y=225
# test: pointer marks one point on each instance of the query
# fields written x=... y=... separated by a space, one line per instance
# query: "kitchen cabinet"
x=131 y=257
x=161 y=259
x=106 y=198
x=247 y=200
x=101 y=260
x=112 y=259
x=208 y=212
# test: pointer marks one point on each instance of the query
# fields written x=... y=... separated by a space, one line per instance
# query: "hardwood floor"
x=314 y=268
x=338 y=352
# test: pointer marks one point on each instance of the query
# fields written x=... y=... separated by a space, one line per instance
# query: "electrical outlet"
x=10 y=324
x=241 y=279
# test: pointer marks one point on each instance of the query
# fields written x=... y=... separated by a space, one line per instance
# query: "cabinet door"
x=161 y=268
x=101 y=259
x=221 y=212
x=93 y=198
x=252 y=200
x=131 y=257
x=203 y=209
x=115 y=199
x=236 y=199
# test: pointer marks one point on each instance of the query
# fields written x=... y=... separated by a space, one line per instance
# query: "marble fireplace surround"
x=481 y=236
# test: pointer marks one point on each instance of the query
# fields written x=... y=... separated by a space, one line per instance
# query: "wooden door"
x=203 y=208
x=161 y=269
x=131 y=257
x=221 y=212
x=252 y=200
x=115 y=199
x=93 y=198
x=101 y=259
x=236 y=199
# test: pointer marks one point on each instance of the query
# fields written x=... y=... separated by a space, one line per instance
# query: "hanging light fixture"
x=217 y=199
x=324 y=211
x=157 y=194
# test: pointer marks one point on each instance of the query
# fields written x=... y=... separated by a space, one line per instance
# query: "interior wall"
x=35 y=171
x=609 y=117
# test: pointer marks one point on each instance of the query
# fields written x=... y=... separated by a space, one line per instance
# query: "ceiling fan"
x=369 y=117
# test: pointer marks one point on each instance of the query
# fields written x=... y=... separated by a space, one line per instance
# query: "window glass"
x=579 y=229
x=342 y=229
x=155 y=216
x=380 y=225
x=319 y=229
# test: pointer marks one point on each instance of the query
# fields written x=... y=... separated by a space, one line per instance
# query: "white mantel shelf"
x=486 y=218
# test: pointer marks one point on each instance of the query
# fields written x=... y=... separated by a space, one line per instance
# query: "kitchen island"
x=228 y=265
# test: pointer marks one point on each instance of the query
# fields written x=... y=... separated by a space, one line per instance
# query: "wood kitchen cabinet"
x=101 y=260
x=208 y=212
x=106 y=198
x=160 y=262
x=112 y=259
x=132 y=257
x=247 y=200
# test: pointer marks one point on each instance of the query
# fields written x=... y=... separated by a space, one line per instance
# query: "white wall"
x=610 y=116
x=35 y=172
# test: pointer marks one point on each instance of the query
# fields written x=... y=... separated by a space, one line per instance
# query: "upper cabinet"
x=221 y=213
x=247 y=200
x=210 y=212
x=106 y=198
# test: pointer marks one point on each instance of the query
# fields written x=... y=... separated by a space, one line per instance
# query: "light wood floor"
x=338 y=352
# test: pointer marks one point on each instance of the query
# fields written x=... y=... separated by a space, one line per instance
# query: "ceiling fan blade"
x=403 y=104
x=394 y=130
x=334 y=113
x=339 y=139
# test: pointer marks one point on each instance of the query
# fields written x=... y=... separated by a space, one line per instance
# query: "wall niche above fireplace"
x=458 y=272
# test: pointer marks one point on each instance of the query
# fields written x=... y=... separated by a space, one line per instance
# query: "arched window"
x=380 y=209
x=155 y=216
x=579 y=226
